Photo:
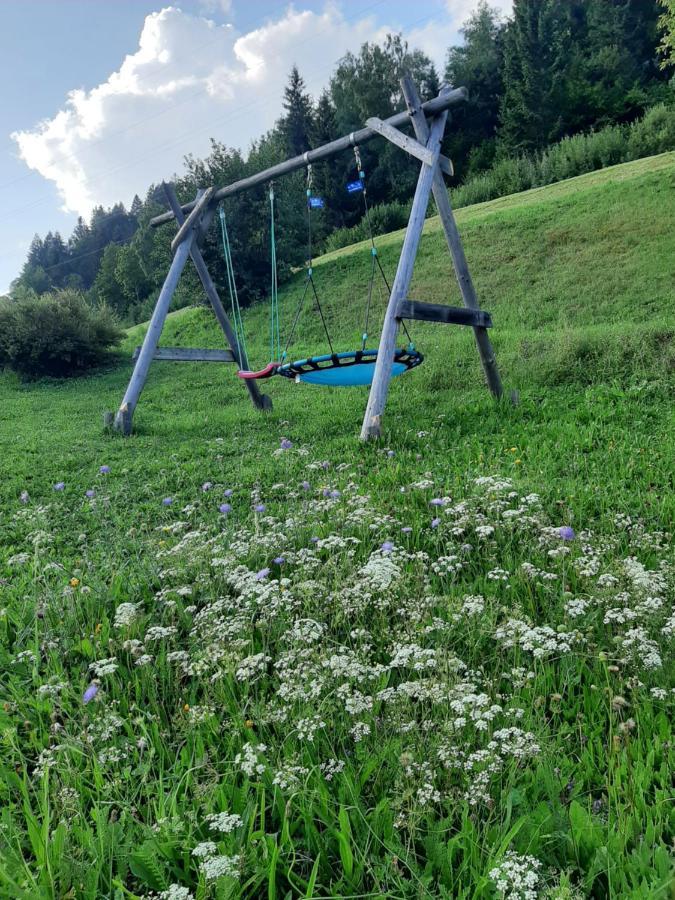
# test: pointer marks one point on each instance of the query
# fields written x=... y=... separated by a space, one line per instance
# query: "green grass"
x=109 y=798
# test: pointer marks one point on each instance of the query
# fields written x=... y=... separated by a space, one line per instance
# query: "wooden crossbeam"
x=191 y=220
x=430 y=108
x=410 y=145
x=189 y=354
x=446 y=315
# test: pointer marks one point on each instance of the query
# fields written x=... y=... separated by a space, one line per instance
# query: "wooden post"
x=260 y=401
x=385 y=354
x=124 y=415
x=444 y=207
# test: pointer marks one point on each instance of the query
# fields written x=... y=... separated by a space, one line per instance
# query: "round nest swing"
x=349 y=369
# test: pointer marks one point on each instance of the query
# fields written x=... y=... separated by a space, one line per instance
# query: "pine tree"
x=296 y=125
x=535 y=45
x=476 y=65
x=667 y=29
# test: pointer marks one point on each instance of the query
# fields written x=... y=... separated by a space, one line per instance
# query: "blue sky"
x=204 y=68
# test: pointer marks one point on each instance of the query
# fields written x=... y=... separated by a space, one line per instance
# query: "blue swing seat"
x=349 y=369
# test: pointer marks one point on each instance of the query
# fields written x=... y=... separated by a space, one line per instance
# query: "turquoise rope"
x=232 y=286
x=275 y=335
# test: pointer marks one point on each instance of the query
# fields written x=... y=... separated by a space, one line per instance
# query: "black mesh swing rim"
x=409 y=357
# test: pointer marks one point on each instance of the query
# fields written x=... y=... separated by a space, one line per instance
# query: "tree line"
x=551 y=70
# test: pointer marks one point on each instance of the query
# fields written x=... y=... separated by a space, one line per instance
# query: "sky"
x=101 y=98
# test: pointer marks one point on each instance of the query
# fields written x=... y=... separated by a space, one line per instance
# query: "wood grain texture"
x=411 y=146
x=466 y=287
x=372 y=420
x=259 y=400
x=189 y=354
x=445 y=315
x=193 y=218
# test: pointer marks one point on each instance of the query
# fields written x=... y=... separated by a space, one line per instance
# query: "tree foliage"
x=551 y=70
x=54 y=334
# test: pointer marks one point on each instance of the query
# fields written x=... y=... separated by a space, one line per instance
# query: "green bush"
x=384 y=217
x=55 y=334
x=654 y=133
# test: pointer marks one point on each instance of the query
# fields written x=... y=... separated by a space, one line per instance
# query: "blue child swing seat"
x=349 y=368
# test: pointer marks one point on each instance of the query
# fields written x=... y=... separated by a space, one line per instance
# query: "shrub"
x=654 y=133
x=55 y=334
x=384 y=217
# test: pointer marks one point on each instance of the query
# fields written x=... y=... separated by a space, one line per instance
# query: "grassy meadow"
x=245 y=655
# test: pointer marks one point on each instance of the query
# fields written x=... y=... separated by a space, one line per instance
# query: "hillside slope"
x=427 y=667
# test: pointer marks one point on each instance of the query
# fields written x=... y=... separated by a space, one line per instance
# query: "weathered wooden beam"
x=260 y=401
x=193 y=218
x=189 y=354
x=124 y=416
x=377 y=398
x=431 y=108
x=445 y=315
x=444 y=207
x=410 y=145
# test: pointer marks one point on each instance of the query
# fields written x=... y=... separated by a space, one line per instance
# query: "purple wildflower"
x=406 y=529
x=436 y=502
x=228 y=492
x=59 y=486
x=90 y=693
x=90 y=493
x=314 y=540
x=325 y=465
x=435 y=523
x=260 y=507
x=262 y=574
x=286 y=444
x=279 y=560
x=305 y=485
x=387 y=547
x=326 y=492
x=167 y=501
x=566 y=532
x=207 y=486
x=225 y=508
x=104 y=470
x=335 y=494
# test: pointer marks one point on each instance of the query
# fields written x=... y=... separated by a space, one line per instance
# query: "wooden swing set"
x=375 y=367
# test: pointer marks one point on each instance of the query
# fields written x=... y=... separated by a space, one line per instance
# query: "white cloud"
x=191 y=79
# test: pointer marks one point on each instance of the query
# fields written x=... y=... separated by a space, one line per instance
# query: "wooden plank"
x=189 y=354
x=431 y=108
x=445 y=315
x=259 y=400
x=193 y=218
x=444 y=207
x=377 y=397
x=410 y=145
x=124 y=416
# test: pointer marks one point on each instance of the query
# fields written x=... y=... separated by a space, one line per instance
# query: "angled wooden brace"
x=410 y=145
x=444 y=207
x=377 y=397
x=260 y=401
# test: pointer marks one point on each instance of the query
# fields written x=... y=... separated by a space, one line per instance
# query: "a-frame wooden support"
x=426 y=148
x=185 y=244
